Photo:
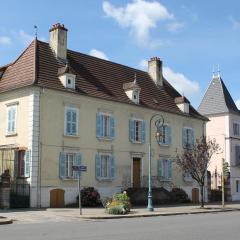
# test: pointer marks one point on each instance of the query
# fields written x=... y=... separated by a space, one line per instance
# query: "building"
x=224 y=125
x=60 y=108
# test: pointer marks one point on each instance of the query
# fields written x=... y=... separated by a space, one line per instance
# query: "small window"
x=238 y=186
x=165 y=169
x=137 y=131
x=236 y=129
x=188 y=137
x=71 y=121
x=69 y=164
x=22 y=163
x=135 y=96
x=70 y=83
x=11 y=119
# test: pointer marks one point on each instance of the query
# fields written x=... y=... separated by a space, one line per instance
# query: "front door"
x=137 y=172
x=195 y=195
x=57 y=198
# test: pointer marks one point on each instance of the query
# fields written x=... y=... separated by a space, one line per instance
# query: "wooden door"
x=136 y=172
x=195 y=195
x=57 y=198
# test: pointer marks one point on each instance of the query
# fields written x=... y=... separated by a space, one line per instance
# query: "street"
x=211 y=226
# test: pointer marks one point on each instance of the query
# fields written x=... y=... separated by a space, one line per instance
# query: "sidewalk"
x=72 y=214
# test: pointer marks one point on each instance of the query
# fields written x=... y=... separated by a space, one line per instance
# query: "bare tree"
x=195 y=160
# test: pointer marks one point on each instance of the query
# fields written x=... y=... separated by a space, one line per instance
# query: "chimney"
x=155 y=70
x=58 y=40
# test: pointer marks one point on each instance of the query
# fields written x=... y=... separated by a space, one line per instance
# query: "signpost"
x=79 y=169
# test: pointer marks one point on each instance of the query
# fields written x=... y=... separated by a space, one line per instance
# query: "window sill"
x=164 y=145
x=11 y=135
x=136 y=142
x=107 y=139
x=71 y=136
x=68 y=179
x=104 y=180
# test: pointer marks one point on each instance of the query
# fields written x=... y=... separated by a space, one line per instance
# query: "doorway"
x=136 y=172
x=57 y=198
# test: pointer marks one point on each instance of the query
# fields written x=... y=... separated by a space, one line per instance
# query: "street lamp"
x=158 y=124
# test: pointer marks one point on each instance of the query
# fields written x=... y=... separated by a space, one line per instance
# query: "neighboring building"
x=224 y=125
x=60 y=108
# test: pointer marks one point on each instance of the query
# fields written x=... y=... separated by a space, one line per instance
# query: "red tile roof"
x=95 y=77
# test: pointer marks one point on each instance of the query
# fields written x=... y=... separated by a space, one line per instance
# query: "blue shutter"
x=77 y=162
x=62 y=165
x=74 y=122
x=27 y=162
x=112 y=127
x=98 y=166
x=15 y=163
x=192 y=138
x=143 y=132
x=184 y=137
x=169 y=135
x=131 y=130
x=160 y=168
x=112 y=167
x=169 y=168
x=99 y=130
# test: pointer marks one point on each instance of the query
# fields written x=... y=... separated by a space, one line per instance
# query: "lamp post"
x=158 y=123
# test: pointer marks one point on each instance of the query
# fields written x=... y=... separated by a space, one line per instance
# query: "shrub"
x=120 y=204
x=89 y=197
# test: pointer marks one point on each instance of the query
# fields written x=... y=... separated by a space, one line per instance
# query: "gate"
x=20 y=194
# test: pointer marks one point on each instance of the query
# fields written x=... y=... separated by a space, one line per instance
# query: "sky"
x=189 y=36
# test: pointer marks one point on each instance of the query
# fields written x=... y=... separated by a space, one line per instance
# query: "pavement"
x=72 y=214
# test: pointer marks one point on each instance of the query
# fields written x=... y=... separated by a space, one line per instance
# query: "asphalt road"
x=219 y=226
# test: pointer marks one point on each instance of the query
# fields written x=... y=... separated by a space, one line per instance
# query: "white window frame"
x=238 y=129
x=72 y=84
x=109 y=155
x=68 y=108
x=139 y=131
x=106 y=131
x=9 y=108
x=69 y=170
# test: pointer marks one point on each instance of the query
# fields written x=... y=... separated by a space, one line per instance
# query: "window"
x=105 y=166
x=11 y=119
x=70 y=82
x=135 y=96
x=67 y=161
x=165 y=168
x=137 y=131
x=22 y=163
x=187 y=137
x=187 y=177
x=236 y=129
x=71 y=121
x=105 y=126
x=237 y=155
x=238 y=186
x=166 y=135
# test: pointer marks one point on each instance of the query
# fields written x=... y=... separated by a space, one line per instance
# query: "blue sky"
x=189 y=36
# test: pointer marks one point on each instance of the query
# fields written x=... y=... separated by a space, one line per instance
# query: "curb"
x=4 y=221
x=156 y=214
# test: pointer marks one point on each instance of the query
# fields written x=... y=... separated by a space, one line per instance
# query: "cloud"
x=238 y=103
x=140 y=17
x=235 y=23
x=4 y=40
x=178 y=80
x=175 y=27
x=98 y=54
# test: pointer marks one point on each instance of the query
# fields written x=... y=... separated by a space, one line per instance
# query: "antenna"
x=36 y=31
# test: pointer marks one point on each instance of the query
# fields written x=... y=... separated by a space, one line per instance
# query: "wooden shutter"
x=169 y=169
x=112 y=167
x=77 y=162
x=27 y=159
x=99 y=125
x=98 y=166
x=160 y=168
x=131 y=130
x=169 y=135
x=112 y=127
x=62 y=165
x=143 y=135
x=184 y=137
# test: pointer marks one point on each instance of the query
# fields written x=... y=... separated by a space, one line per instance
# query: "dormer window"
x=132 y=90
x=70 y=82
x=67 y=77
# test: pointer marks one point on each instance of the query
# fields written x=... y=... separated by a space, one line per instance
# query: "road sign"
x=80 y=168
